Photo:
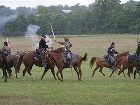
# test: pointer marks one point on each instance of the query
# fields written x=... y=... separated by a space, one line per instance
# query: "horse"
x=56 y=56
x=101 y=64
x=124 y=64
x=10 y=61
x=27 y=57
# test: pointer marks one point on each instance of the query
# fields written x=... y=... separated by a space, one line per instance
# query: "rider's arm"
x=62 y=43
x=115 y=52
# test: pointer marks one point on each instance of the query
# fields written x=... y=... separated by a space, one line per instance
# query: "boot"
x=112 y=66
x=69 y=62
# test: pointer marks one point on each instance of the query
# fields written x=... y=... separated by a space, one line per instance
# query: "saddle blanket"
x=73 y=58
x=104 y=58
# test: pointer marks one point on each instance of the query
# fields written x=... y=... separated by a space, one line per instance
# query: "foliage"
x=103 y=16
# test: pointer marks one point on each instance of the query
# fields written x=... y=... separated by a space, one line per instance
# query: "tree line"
x=101 y=17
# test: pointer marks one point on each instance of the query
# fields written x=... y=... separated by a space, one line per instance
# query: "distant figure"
x=111 y=55
x=67 y=45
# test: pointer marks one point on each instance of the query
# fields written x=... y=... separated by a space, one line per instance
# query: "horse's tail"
x=92 y=61
x=85 y=57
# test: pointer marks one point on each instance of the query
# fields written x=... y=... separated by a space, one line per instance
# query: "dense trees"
x=104 y=16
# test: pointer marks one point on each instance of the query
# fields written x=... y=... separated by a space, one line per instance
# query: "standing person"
x=111 y=55
x=67 y=46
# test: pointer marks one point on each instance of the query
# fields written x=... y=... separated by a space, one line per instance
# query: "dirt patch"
x=18 y=100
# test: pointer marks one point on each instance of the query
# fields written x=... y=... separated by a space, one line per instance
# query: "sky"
x=33 y=3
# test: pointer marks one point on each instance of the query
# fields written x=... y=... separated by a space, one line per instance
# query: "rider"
x=6 y=50
x=138 y=52
x=42 y=47
x=67 y=45
x=111 y=55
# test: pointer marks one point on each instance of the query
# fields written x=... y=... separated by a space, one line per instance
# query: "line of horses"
x=54 y=58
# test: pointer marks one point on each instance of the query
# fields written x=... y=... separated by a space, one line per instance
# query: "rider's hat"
x=113 y=43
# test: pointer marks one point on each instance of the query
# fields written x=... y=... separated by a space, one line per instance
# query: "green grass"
x=97 y=90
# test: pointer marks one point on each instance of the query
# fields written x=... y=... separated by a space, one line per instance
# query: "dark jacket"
x=111 y=51
x=138 y=50
x=42 y=44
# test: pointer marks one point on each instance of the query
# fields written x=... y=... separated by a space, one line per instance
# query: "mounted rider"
x=6 y=50
x=111 y=55
x=42 y=47
x=67 y=52
x=138 y=52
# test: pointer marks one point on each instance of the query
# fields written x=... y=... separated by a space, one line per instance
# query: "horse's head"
x=19 y=56
x=122 y=54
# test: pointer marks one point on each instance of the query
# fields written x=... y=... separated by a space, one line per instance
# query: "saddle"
x=37 y=55
x=73 y=58
x=104 y=58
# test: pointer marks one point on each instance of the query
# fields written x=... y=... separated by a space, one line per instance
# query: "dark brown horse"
x=11 y=61
x=56 y=56
x=28 y=61
x=101 y=64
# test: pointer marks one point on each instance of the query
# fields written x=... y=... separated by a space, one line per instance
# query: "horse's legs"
x=75 y=68
x=58 y=74
x=80 y=72
x=121 y=70
x=24 y=71
x=95 y=70
x=46 y=69
x=135 y=73
x=52 y=70
x=101 y=68
x=123 y=74
x=112 y=73
x=61 y=73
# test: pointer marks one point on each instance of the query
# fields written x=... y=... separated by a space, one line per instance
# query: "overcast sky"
x=34 y=3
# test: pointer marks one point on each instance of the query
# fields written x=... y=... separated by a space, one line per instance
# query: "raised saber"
x=52 y=32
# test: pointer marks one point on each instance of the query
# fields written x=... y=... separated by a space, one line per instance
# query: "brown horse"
x=28 y=60
x=56 y=56
x=101 y=64
x=123 y=64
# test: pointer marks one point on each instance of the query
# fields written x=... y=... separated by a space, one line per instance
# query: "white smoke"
x=31 y=32
x=49 y=41
x=4 y=20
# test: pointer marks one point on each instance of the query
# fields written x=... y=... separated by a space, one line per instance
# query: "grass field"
x=96 y=90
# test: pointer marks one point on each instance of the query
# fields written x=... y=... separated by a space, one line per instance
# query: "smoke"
x=4 y=20
x=31 y=32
